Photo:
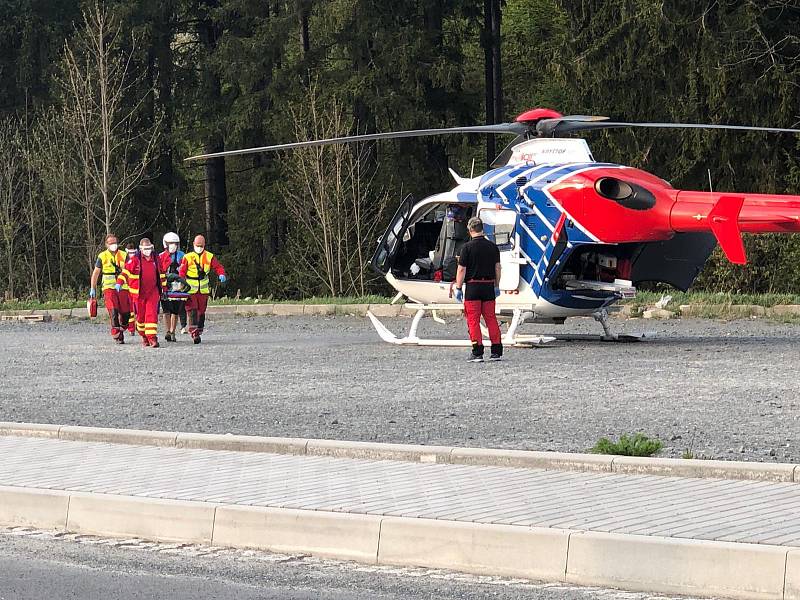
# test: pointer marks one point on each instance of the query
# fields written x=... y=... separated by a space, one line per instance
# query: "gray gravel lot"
x=723 y=390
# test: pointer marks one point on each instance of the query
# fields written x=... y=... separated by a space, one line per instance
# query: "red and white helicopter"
x=575 y=235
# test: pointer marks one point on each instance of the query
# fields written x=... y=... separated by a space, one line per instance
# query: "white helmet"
x=171 y=238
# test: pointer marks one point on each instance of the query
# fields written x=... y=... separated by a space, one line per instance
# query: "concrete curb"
x=652 y=564
x=677 y=566
x=556 y=461
x=328 y=534
x=506 y=550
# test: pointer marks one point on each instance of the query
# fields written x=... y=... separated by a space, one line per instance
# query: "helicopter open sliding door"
x=500 y=227
x=390 y=240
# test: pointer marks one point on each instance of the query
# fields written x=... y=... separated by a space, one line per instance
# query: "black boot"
x=477 y=353
x=497 y=352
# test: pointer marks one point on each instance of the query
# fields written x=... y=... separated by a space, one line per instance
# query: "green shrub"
x=638 y=445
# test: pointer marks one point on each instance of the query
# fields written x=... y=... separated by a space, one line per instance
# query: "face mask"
x=112 y=247
x=173 y=248
x=199 y=249
x=147 y=251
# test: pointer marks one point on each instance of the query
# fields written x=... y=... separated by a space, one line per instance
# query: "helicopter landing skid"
x=511 y=338
x=601 y=316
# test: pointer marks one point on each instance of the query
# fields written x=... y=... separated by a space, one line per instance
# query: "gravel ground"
x=724 y=390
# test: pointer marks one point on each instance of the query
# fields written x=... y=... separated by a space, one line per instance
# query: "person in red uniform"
x=479 y=267
x=109 y=264
x=146 y=282
x=130 y=250
x=195 y=268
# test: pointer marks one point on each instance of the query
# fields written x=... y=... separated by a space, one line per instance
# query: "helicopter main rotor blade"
x=549 y=127
x=515 y=128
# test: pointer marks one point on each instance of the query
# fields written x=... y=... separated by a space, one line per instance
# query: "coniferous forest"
x=101 y=101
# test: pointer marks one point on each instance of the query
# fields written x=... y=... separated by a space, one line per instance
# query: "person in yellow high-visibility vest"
x=195 y=268
x=109 y=264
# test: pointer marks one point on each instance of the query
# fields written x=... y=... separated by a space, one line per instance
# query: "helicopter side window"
x=498 y=225
x=503 y=235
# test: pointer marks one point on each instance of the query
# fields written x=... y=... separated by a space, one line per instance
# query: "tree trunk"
x=34 y=249
x=497 y=79
x=493 y=79
x=216 y=200
x=488 y=75
x=216 y=196
x=164 y=81
x=303 y=13
x=61 y=252
x=10 y=261
x=434 y=25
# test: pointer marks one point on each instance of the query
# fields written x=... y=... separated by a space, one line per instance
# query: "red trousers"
x=474 y=310
x=125 y=297
x=147 y=314
x=196 y=310
x=119 y=310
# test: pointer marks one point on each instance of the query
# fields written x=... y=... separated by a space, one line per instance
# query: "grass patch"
x=705 y=304
x=637 y=445
x=373 y=299
x=711 y=298
x=36 y=305
x=55 y=304
x=724 y=306
x=788 y=319
x=343 y=300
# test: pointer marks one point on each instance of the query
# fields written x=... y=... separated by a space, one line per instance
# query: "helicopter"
x=576 y=236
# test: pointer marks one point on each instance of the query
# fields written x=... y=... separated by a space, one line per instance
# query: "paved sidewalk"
x=644 y=505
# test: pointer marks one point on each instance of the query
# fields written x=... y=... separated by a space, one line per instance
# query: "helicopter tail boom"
x=728 y=215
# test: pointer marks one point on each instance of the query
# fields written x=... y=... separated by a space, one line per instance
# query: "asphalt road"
x=40 y=565
x=721 y=390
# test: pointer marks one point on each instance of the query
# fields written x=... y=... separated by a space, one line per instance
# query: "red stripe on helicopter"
x=559 y=226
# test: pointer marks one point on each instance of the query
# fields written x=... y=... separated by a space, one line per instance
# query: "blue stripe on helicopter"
x=538 y=216
x=467 y=196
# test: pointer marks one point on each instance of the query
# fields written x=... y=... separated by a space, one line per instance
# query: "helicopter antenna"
x=710 y=187
x=472 y=170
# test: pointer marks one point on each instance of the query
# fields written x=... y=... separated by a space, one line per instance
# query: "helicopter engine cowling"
x=617 y=204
